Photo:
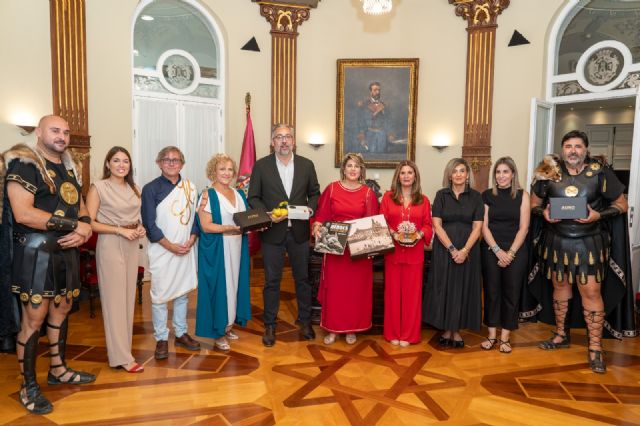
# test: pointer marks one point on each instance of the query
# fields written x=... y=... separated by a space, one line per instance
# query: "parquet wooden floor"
x=301 y=383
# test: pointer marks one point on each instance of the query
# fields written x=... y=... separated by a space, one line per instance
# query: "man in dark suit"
x=283 y=176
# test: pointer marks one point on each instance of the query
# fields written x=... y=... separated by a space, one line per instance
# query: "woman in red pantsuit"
x=346 y=285
x=408 y=214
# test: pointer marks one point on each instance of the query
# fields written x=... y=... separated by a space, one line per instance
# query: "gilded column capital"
x=479 y=13
x=284 y=19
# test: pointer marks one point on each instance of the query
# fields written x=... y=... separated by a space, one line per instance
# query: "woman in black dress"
x=504 y=254
x=452 y=293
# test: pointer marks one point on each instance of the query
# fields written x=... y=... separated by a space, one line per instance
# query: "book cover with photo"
x=333 y=238
x=369 y=236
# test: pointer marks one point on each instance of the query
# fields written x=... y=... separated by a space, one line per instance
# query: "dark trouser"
x=502 y=288
x=273 y=255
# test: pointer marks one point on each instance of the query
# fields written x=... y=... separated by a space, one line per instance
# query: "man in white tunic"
x=168 y=213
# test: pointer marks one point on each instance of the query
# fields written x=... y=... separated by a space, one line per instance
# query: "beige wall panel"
x=519 y=76
x=25 y=86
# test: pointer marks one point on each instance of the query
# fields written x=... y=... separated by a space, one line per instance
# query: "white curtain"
x=201 y=137
x=156 y=127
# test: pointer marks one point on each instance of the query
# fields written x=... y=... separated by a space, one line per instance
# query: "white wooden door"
x=634 y=196
x=540 y=133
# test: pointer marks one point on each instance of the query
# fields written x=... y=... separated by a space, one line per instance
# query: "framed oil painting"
x=376 y=110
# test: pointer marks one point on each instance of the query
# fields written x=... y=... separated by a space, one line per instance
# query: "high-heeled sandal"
x=134 y=368
x=223 y=345
x=350 y=338
x=231 y=335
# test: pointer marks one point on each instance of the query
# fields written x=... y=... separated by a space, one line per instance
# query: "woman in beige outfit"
x=114 y=207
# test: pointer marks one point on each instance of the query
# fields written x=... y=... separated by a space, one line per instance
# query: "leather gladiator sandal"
x=30 y=396
x=561 y=311
x=77 y=377
x=595 y=323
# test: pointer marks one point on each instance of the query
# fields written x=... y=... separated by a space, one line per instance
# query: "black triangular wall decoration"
x=518 y=39
x=251 y=45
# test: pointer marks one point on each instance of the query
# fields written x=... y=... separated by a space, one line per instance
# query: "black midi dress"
x=452 y=294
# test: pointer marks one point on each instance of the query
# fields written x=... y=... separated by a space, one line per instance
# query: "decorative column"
x=284 y=16
x=481 y=17
x=69 y=76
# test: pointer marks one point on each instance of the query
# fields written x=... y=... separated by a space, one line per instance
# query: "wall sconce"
x=440 y=142
x=25 y=130
x=315 y=141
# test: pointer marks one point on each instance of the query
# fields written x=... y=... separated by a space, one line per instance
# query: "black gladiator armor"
x=569 y=248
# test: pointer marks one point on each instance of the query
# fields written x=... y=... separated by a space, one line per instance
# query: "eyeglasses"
x=281 y=138
x=171 y=161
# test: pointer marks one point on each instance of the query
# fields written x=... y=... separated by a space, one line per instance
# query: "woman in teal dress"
x=223 y=257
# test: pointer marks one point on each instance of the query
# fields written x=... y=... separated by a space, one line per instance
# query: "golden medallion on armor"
x=69 y=296
x=76 y=292
x=58 y=213
x=69 y=193
x=70 y=173
x=57 y=299
x=589 y=173
x=51 y=173
x=24 y=297
x=571 y=191
x=36 y=299
x=595 y=166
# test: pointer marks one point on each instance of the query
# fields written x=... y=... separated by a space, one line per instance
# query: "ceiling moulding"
x=309 y=3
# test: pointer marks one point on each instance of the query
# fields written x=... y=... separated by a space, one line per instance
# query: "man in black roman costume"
x=580 y=252
x=49 y=222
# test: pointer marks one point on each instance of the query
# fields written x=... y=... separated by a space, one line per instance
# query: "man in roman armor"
x=580 y=252
x=47 y=222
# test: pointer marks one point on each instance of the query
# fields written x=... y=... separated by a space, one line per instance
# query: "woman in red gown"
x=346 y=292
x=408 y=214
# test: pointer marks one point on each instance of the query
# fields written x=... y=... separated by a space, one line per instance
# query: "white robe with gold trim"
x=173 y=275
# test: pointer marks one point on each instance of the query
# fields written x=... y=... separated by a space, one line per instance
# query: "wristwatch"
x=451 y=248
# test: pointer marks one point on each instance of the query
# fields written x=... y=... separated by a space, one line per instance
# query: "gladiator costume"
x=41 y=268
x=9 y=310
x=574 y=250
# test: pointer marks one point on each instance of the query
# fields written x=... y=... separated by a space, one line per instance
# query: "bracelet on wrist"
x=451 y=248
x=512 y=253
x=495 y=248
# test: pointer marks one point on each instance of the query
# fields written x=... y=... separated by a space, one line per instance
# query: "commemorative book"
x=568 y=207
x=252 y=219
x=333 y=238
x=369 y=237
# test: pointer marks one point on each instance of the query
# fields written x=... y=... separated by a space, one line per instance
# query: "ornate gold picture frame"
x=376 y=105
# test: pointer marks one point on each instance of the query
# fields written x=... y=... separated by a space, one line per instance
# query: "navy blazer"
x=266 y=191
